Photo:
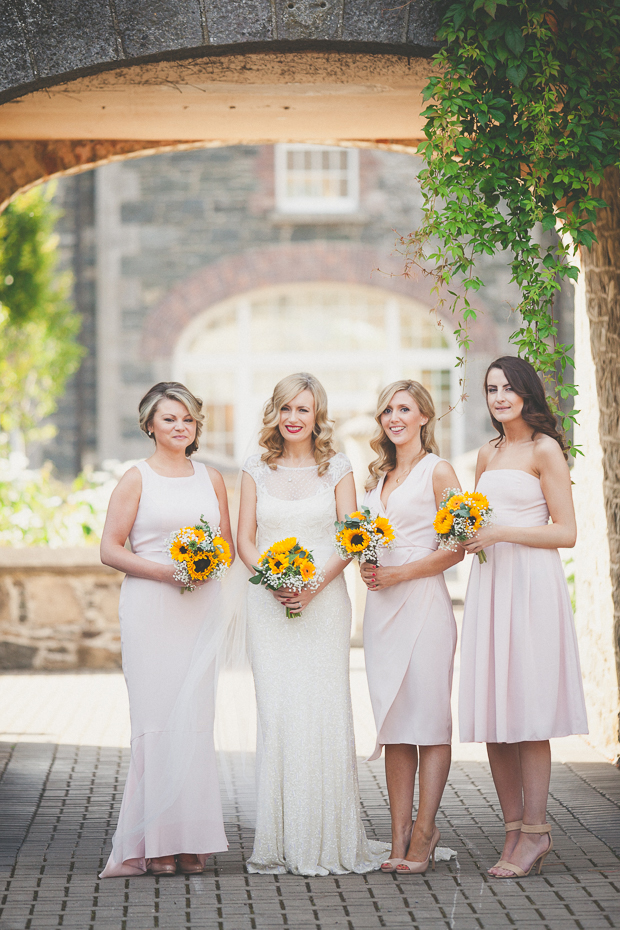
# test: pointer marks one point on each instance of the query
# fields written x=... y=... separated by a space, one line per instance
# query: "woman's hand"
x=294 y=600
x=167 y=576
x=376 y=577
x=485 y=537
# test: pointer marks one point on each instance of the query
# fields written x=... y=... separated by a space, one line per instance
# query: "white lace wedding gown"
x=308 y=809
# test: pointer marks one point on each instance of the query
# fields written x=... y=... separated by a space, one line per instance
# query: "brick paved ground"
x=63 y=764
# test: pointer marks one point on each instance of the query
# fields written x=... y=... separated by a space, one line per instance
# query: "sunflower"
x=278 y=563
x=307 y=570
x=475 y=519
x=354 y=540
x=480 y=500
x=222 y=549
x=455 y=502
x=202 y=565
x=357 y=515
x=443 y=522
x=285 y=545
x=180 y=551
x=384 y=529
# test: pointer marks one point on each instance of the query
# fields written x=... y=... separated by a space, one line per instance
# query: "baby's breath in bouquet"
x=459 y=517
x=201 y=552
x=361 y=536
x=287 y=564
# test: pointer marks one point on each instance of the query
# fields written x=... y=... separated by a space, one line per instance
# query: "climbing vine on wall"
x=522 y=120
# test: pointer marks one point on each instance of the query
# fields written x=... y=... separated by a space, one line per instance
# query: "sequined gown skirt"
x=308 y=816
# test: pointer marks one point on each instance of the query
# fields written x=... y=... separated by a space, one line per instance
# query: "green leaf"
x=514 y=39
x=516 y=73
x=548 y=222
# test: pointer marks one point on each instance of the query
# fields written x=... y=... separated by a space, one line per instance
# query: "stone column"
x=595 y=610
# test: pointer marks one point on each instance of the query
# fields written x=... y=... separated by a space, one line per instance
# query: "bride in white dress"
x=308 y=809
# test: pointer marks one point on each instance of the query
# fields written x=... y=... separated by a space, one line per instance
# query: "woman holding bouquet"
x=308 y=817
x=409 y=628
x=520 y=675
x=171 y=812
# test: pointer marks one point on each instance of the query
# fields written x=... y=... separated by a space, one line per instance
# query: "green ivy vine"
x=522 y=120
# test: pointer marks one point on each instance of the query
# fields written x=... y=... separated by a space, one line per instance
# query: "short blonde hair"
x=271 y=438
x=172 y=390
x=383 y=445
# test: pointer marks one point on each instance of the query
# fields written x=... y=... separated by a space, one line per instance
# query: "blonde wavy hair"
x=383 y=446
x=173 y=390
x=271 y=438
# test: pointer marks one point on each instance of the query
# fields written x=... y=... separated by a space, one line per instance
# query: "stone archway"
x=142 y=78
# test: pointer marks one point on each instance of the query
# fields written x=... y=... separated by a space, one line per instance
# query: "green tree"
x=39 y=350
x=523 y=133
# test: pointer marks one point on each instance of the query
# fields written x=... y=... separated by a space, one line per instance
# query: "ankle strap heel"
x=511 y=825
x=536 y=828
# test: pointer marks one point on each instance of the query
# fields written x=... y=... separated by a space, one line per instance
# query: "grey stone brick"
x=159 y=25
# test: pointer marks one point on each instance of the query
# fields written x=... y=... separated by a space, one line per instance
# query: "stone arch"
x=285 y=263
x=158 y=77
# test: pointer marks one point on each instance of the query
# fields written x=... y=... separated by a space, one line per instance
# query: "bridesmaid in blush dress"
x=409 y=628
x=520 y=676
x=171 y=813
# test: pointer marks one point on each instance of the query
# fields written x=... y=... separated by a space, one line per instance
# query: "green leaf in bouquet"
x=256 y=579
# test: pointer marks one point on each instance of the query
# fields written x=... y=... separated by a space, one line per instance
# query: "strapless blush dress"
x=520 y=672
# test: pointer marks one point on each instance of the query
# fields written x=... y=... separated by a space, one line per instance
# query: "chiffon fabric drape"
x=409 y=627
x=170 y=645
x=520 y=672
x=308 y=807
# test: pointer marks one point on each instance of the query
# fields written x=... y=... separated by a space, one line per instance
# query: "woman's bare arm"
x=222 y=498
x=246 y=528
x=120 y=518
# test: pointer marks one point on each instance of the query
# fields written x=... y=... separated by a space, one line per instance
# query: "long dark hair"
x=525 y=382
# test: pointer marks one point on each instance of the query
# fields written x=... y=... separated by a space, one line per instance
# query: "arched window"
x=354 y=338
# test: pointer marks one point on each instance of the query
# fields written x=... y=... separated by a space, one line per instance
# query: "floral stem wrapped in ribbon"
x=202 y=553
x=361 y=536
x=459 y=517
x=287 y=564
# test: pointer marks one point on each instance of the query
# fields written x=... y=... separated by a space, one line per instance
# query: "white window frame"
x=316 y=205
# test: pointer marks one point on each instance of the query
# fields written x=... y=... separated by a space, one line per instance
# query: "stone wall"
x=594 y=616
x=58 y=610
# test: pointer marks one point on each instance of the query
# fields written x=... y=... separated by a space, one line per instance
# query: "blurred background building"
x=227 y=268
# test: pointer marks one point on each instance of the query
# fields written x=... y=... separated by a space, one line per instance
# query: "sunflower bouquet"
x=201 y=552
x=287 y=564
x=361 y=536
x=459 y=517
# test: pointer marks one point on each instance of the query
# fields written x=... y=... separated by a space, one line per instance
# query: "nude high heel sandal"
x=189 y=864
x=162 y=866
x=518 y=872
x=509 y=826
x=390 y=865
x=408 y=867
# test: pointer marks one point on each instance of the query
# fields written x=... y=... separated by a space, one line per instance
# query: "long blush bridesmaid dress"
x=409 y=628
x=520 y=673
x=171 y=802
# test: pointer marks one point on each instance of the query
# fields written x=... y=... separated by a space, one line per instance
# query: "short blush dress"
x=171 y=803
x=520 y=673
x=409 y=628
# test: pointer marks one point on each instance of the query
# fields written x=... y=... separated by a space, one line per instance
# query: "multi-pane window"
x=355 y=339
x=316 y=179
